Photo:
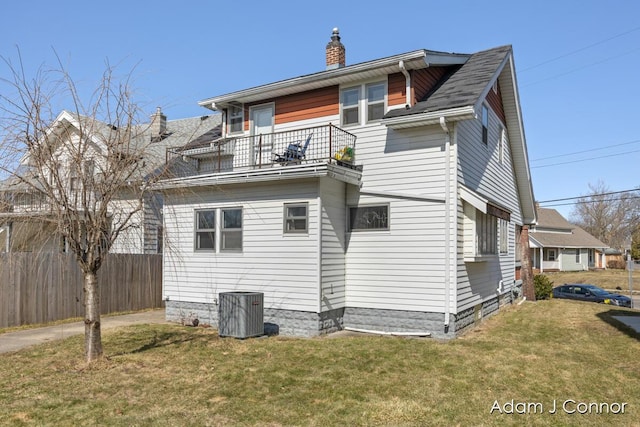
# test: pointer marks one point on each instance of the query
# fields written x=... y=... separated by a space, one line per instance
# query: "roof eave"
x=430 y=118
x=412 y=60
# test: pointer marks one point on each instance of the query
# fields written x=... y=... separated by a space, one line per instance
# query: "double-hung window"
x=375 y=101
x=485 y=124
x=486 y=234
x=231 y=232
x=504 y=236
x=350 y=100
x=206 y=230
x=223 y=224
x=365 y=103
x=236 y=118
x=296 y=218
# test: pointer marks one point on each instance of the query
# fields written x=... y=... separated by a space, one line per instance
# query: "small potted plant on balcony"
x=344 y=155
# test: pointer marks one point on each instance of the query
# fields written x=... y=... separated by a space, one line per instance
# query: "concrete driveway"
x=13 y=341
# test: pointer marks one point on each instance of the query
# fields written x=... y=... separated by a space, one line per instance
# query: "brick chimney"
x=158 y=126
x=335 y=52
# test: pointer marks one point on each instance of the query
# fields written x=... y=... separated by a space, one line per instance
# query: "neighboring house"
x=558 y=245
x=25 y=221
x=386 y=195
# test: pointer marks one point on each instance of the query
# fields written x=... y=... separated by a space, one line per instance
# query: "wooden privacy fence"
x=39 y=288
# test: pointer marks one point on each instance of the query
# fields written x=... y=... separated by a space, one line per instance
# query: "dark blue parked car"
x=591 y=293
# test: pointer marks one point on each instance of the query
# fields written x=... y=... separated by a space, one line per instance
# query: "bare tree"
x=609 y=216
x=77 y=166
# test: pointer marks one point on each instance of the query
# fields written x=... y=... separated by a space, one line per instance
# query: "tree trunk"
x=526 y=267
x=92 y=335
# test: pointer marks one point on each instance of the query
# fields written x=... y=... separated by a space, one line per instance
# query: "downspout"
x=319 y=272
x=407 y=78
x=447 y=221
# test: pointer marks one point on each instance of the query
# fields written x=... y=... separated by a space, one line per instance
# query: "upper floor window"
x=236 y=118
x=350 y=100
x=501 y=144
x=375 y=101
x=485 y=124
x=365 y=103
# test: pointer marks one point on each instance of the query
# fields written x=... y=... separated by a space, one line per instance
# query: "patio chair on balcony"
x=294 y=153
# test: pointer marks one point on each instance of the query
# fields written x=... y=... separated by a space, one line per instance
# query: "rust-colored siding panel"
x=397 y=89
x=495 y=101
x=424 y=80
x=308 y=105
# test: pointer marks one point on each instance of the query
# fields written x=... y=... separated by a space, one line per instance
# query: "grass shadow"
x=610 y=318
x=149 y=338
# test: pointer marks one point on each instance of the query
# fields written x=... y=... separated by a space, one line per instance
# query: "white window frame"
x=549 y=257
x=376 y=102
x=578 y=256
x=197 y=230
x=363 y=104
x=235 y=112
x=485 y=124
x=503 y=235
x=229 y=231
x=344 y=108
x=501 y=144
x=219 y=230
x=353 y=210
x=292 y=219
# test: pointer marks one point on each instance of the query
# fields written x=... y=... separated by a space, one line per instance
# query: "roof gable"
x=553 y=230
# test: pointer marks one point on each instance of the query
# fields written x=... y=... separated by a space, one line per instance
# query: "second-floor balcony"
x=329 y=144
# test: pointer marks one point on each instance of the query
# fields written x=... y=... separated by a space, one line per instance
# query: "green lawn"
x=166 y=375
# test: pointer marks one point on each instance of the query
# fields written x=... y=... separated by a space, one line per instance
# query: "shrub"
x=616 y=264
x=543 y=286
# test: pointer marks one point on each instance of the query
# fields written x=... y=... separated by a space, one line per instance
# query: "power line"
x=591 y=195
x=581 y=68
x=584 y=202
x=580 y=49
x=584 y=160
x=587 y=151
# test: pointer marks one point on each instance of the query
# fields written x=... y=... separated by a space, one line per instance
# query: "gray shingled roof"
x=561 y=233
x=463 y=87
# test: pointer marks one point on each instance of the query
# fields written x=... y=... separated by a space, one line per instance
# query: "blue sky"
x=577 y=62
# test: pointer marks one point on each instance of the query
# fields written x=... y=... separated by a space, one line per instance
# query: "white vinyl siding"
x=480 y=169
x=400 y=268
x=334 y=244
x=285 y=268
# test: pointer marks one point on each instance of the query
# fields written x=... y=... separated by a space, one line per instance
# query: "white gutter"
x=407 y=78
x=430 y=118
x=447 y=222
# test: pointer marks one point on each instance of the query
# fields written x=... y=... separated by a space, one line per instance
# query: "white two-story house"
x=383 y=196
x=80 y=147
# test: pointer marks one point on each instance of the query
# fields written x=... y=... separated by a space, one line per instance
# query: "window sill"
x=479 y=258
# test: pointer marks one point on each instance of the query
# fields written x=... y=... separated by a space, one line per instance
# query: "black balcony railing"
x=327 y=143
